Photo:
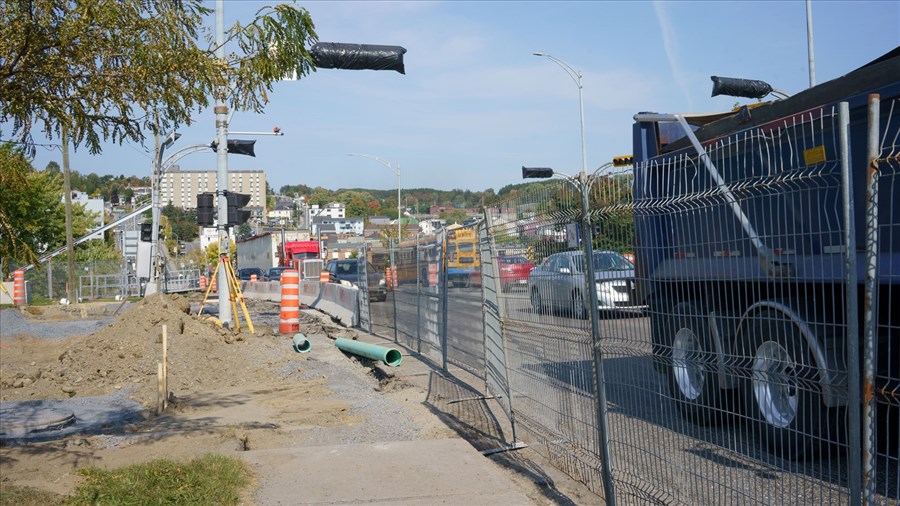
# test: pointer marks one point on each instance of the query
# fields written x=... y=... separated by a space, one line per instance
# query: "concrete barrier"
x=262 y=290
x=341 y=302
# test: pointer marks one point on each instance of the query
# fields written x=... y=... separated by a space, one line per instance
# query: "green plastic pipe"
x=389 y=356
x=301 y=344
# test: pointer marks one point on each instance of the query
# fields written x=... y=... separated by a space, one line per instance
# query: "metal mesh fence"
x=547 y=337
x=95 y=279
x=881 y=425
x=418 y=309
x=464 y=304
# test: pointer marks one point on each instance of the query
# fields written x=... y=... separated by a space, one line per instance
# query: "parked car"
x=274 y=274
x=514 y=271
x=558 y=283
x=244 y=274
x=348 y=270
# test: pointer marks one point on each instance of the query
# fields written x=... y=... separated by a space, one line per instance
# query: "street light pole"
x=387 y=164
x=576 y=76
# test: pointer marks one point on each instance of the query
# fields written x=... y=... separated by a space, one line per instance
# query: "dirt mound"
x=124 y=356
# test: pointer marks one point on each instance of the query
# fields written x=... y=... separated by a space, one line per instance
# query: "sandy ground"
x=228 y=391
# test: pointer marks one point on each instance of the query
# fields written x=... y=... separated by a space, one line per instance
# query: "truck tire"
x=693 y=381
x=782 y=395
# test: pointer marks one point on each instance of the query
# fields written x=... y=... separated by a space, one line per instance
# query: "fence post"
x=444 y=293
x=855 y=472
x=418 y=301
x=584 y=183
x=870 y=302
x=395 y=291
x=50 y=279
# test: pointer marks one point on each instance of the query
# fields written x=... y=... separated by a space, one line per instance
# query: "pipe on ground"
x=301 y=344
x=389 y=356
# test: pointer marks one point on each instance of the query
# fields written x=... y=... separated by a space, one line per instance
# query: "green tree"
x=114 y=70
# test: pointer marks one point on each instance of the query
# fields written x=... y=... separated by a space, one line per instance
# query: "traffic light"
x=206 y=209
x=623 y=161
x=237 y=147
x=147 y=232
x=340 y=55
x=536 y=172
x=236 y=215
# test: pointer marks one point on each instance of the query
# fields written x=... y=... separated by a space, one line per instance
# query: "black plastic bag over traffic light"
x=236 y=215
x=339 y=55
x=206 y=209
x=736 y=87
x=237 y=146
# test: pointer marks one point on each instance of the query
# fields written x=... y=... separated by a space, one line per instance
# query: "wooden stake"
x=159 y=388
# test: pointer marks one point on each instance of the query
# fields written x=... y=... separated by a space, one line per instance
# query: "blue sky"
x=475 y=104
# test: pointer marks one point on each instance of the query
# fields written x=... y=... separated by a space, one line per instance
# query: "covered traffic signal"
x=237 y=215
x=339 y=55
x=206 y=209
x=536 y=172
x=237 y=147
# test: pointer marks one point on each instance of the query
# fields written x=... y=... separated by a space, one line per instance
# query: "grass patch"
x=13 y=495
x=211 y=479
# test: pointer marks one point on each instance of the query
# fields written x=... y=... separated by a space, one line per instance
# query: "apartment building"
x=181 y=187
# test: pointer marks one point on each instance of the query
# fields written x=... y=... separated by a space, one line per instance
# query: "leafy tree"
x=96 y=250
x=114 y=70
x=455 y=216
x=32 y=215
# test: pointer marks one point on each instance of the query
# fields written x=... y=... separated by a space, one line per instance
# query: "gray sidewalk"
x=420 y=472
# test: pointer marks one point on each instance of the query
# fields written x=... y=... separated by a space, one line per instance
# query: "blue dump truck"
x=741 y=243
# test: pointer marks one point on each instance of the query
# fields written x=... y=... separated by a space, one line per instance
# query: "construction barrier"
x=289 y=320
x=203 y=281
x=389 y=278
x=323 y=277
x=19 y=287
x=432 y=274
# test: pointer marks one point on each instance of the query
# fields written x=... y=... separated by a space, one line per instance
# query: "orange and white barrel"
x=323 y=277
x=203 y=282
x=289 y=320
x=389 y=277
x=19 y=287
x=253 y=278
x=432 y=274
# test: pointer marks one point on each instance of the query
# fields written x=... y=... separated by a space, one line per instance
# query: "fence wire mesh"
x=745 y=317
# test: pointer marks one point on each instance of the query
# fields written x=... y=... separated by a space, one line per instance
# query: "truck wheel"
x=536 y=303
x=782 y=395
x=692 y=371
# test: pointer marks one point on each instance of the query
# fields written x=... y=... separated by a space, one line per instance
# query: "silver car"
x=559 y=283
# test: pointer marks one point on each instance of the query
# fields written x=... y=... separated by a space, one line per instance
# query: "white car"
x=559 y=283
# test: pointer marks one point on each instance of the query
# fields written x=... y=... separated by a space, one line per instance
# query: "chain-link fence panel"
x=548 y=352
x=365 y=273
x=94 y=279
x=417 y=296
x=746 y=256
x=465 y=317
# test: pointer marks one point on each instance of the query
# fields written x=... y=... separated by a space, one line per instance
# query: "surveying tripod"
x=234 y=293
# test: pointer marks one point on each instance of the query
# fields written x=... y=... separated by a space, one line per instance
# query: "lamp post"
x=576 y=76
x=387 y=164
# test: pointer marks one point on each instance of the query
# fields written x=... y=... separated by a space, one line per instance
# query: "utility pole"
x=70 y=240
x=221 y=110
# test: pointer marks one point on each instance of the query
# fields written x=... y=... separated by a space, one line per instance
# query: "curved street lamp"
x=576 y=76
x=387 y=164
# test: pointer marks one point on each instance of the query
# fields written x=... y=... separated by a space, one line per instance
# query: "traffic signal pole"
x=221 y=110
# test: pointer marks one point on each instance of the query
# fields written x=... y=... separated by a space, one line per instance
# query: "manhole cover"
x=19 y=422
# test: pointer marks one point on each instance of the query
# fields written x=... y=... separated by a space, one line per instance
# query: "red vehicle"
x=295 y=252
x=514 y=271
